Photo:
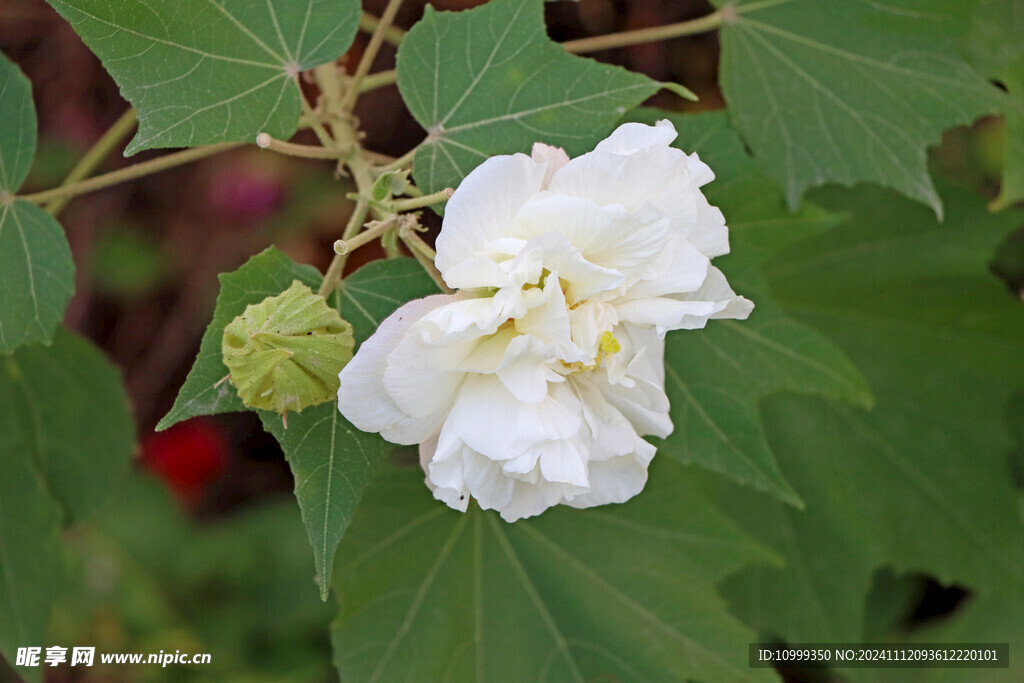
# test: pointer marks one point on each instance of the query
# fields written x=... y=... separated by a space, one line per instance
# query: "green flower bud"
x=285 y=352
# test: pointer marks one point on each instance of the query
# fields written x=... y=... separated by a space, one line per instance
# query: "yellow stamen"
x=610 y=344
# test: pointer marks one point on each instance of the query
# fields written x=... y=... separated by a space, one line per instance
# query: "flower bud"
x=285 y=352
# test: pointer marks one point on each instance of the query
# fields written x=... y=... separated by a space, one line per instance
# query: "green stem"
x=264 y=141
x=333 y=275
x=645 y=35
x=370 y=54
x=425 y=255
x=131 y=173
x=392 y=34
x=95 y=156
x=345 y=247
x=378 y=80
x=649 y=35
x=314 y=121
x=420 y=202
x=399 y=163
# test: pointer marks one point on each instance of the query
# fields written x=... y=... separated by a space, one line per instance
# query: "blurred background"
x=203 y=550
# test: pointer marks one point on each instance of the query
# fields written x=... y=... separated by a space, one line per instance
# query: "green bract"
x=285 y=352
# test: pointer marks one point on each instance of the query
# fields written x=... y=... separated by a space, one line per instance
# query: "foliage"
x=858 y=432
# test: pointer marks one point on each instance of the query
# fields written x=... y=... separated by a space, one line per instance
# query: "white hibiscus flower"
x=534 y=385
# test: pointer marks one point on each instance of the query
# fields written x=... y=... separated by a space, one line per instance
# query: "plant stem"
x=425 y=255
x=370 y=54
x=392 y=34
x=314 y=121
x=345 y=247
x=95 y=156
x=612 y=40
x=646 y=35
x=132 y=172
x=420 y=202
x=333 y=275
x=378 y=80
x=264 y=141
x=399 y=163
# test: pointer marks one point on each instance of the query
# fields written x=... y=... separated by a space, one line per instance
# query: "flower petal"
x=362 y=398
x=631 y=137
x=488 y=418
x=486 y=200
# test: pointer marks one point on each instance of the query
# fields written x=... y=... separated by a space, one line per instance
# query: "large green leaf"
x=618 y=593
x=716 y=377
x=17 y=126
x=206 y=392
x=29 y=527
x=996 y=48
x=205 y=71
x=331 y=460
x=489 y=81
x=332 y=463
x=74 y=421
x=922 y=482
x=840 y=91
x=37 y=274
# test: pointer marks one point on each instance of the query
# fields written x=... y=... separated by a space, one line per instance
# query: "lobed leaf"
x=29 y=533
x=37 y=275
x=840 y=91
x=74 y=421
x=431 y=594
x=996 y=48
x=922 y=482
x=332 y=463
x=717 y=376
x=489 y=81
x=206 y=71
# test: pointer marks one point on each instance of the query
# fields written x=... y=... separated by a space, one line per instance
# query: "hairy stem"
x=648 y=35
x=345 y=247
x=95 y=156
x=399 y=163
x=370 y=54
x=333 y=275
x=425 y=255
x=378 y=80
x=368 y=23
x=420 y=202
x=314 y=120
x=132 y=172
x=264 y=141
x=612 y=40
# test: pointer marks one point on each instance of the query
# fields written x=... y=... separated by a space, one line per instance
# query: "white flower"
x=535 y=384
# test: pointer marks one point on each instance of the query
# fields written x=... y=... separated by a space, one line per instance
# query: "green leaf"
x=489 y=81
x=618 y=593
x=205 y=391
x=331 y=460
x=206 y=71
x=374 y=291
x=332 y=463
x=74 y=421
x=922 y=482
x=716 y=377
x=17 y=126
x=839 y=91
x=996 y=48
x=37 y=275
x=29 y=528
